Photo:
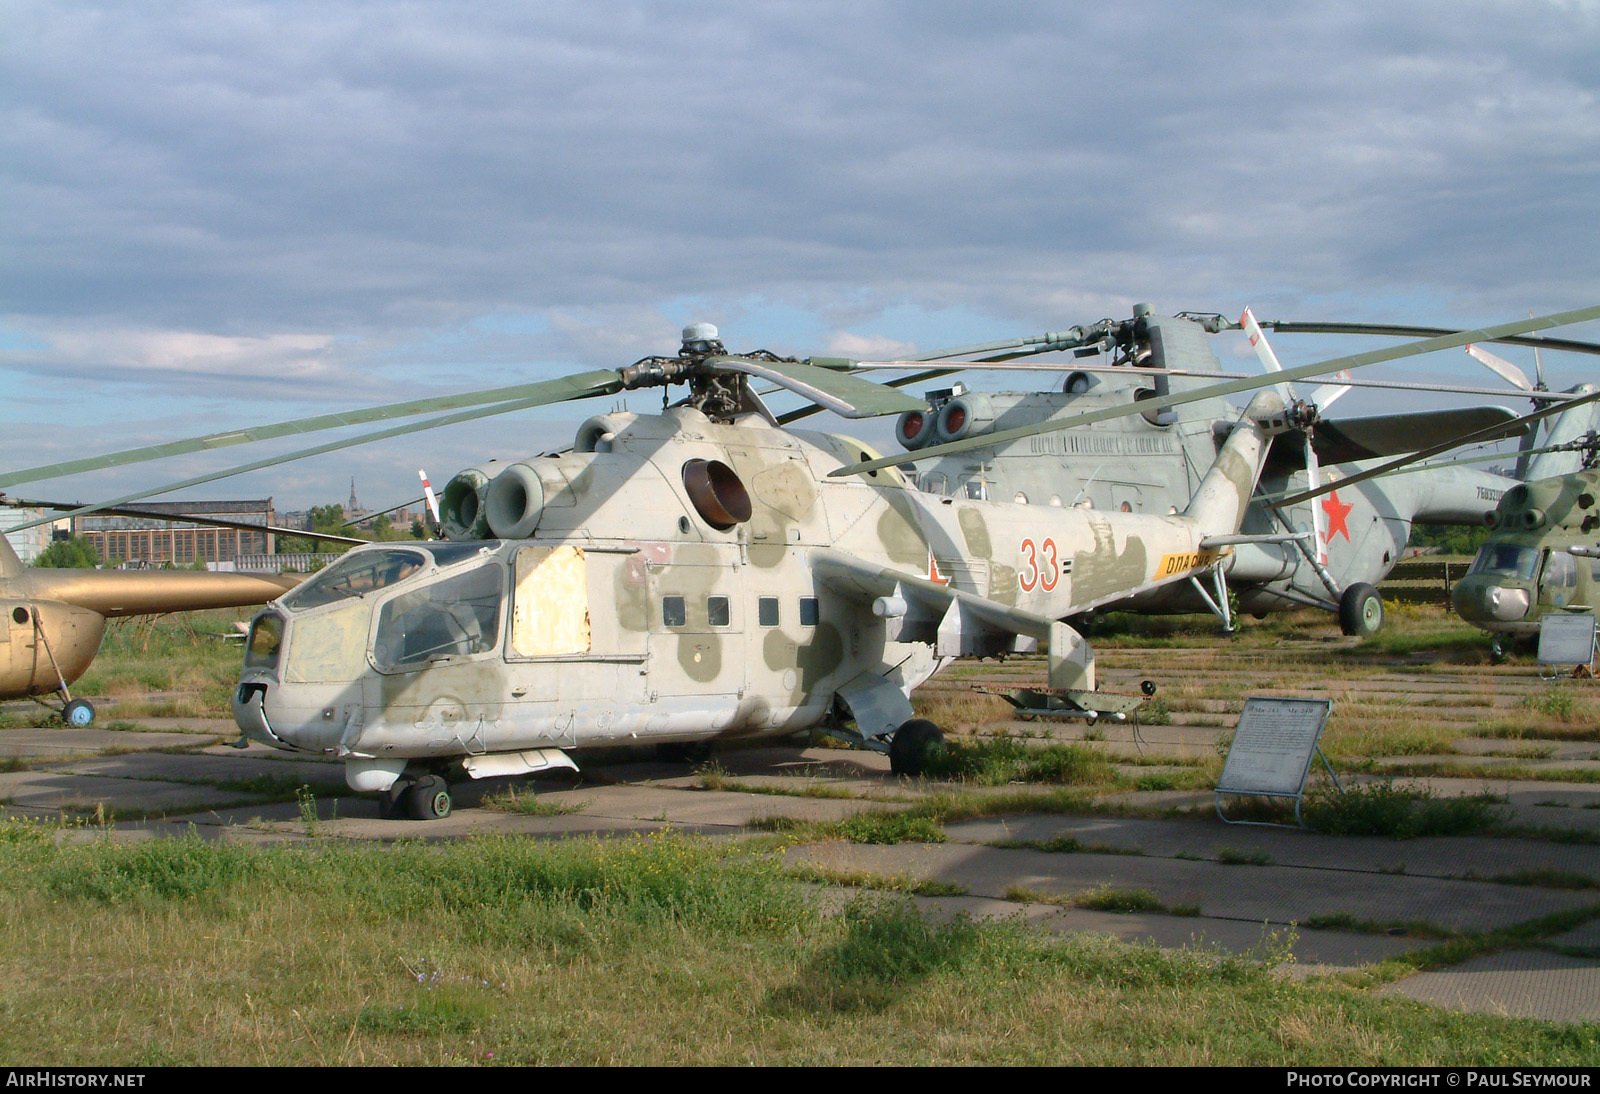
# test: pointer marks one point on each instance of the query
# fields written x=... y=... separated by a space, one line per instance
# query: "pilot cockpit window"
x=1560 y=570
x=356 y=574
x=1506 y=560
x=456 y=617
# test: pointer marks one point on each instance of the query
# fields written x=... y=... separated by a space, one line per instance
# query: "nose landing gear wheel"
x=914 y=747
x=77 y=713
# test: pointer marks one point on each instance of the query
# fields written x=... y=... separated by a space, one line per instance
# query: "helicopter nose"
x=1481 y=602
x=250 y=714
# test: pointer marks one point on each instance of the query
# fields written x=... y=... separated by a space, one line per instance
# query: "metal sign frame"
x=1566 y=639
x=1273 y=745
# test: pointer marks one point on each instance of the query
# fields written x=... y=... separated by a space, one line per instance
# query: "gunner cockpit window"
x=356 y=574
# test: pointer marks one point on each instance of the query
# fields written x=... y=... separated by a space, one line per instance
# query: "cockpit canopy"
x=363 y=572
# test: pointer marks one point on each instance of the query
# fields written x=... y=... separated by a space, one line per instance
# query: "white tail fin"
x=1219 y=504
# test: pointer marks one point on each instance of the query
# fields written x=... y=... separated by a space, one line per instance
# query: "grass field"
x=673 y=949
x=658 y=950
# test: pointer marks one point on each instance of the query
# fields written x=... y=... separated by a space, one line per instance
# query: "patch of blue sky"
x=525 y=323
x=932 y=329
x=21 y=340
x=751 y=322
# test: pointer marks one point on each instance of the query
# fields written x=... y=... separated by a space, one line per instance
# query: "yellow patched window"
x=550 y=607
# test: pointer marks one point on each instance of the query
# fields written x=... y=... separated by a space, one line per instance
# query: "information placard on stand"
x=1272 y=749
x=1566 y=641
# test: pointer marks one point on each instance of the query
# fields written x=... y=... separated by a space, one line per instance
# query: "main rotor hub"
x=700 y=339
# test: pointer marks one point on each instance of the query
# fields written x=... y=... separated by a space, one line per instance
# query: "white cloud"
x=870 y=347
x=193 y=187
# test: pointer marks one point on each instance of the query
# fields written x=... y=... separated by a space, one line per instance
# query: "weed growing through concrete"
x=307 y=801
x=1555 y=701
x=1384 y=809
x=998 y=761
x=868 y=827
x=1103 y=898
x=529 y=804
x=1234 y=856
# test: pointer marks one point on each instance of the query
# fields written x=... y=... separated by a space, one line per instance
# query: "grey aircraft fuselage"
x=1151 y=463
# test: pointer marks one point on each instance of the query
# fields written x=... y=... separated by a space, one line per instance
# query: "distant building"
x=155 y=540
x=30 y=542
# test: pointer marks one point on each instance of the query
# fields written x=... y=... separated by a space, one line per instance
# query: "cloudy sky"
x=217 y=213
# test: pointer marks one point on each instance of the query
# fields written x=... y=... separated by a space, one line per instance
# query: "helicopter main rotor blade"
x=984 y=365
x=1424 y=466
x=578 y=386
x=186 y=518
x=824 y=381
x=332 y=446
x=1396 y=330
x=1472 y=438
x=1167 y=402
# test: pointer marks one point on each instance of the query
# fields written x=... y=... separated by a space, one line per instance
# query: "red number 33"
x=1033 y=575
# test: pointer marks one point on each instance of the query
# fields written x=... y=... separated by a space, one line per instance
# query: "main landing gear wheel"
x=1360 y=610
x=417 y=797
x=428 y=799
x=684 y=752
x=78 y=713
x=914 y=747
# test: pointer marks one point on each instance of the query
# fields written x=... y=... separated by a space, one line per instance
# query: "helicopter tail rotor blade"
x=1500 y=367
x=1269 y=360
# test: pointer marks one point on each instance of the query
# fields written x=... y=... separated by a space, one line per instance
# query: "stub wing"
x=954 y=622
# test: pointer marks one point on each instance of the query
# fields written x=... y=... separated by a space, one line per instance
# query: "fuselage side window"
x=767 y=611
x=673 y=613
x=717 y=611
x=808 y=611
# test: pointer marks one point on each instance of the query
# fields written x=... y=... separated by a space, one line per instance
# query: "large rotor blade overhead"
x=187 y=518
x=580 y=386
x=986 y=365
x=1472 y=438
x=1382 y=435
x=1174 y=399
x=332 y=446
x=1534 y=341
x=823 y=381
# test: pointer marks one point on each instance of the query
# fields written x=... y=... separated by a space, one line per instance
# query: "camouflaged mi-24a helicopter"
x=698 y=575
x=692 y=576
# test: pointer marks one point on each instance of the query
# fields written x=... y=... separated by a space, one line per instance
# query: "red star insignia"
x=1337 y=512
